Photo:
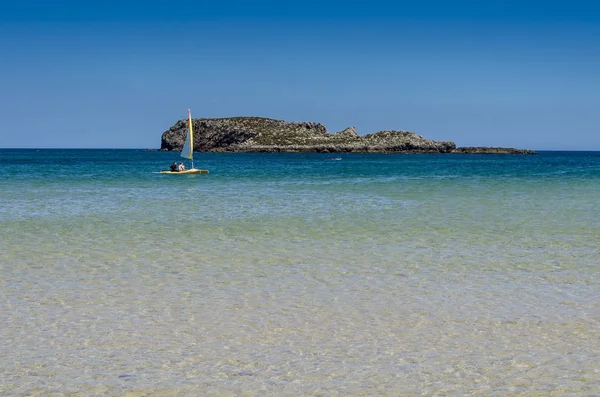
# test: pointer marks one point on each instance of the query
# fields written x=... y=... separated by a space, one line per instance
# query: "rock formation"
x=258 y=134
x=490 y=150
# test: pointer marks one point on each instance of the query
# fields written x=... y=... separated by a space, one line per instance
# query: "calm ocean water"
x=294 y=275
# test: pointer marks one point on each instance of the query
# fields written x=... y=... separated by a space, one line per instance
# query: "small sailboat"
x=188 y=152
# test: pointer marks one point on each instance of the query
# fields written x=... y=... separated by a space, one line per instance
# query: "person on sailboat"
x=173 y=167
x=181 y=167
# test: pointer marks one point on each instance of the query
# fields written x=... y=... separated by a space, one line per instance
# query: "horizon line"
x=196 y=151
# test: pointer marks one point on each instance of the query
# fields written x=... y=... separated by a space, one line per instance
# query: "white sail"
x=188 y=147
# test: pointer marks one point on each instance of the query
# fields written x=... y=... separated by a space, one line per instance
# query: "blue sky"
x=116 y=74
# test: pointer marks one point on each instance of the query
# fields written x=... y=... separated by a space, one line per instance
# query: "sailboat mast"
x=191 y=137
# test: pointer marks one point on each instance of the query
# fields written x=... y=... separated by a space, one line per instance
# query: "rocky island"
x=258 y=134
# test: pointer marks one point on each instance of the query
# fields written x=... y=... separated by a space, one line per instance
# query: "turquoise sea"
x=296 y=275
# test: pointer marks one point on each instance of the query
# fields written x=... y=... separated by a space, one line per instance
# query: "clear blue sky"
x=117 y=74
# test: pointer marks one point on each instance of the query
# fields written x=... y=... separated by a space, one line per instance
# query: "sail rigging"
x=188 y=147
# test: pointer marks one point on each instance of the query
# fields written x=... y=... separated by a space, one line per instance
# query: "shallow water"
x=289 y=274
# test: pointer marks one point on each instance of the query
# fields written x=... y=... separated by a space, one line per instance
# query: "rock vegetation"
x=258 y=134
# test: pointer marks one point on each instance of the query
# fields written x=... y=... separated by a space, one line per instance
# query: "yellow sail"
x=188 y=147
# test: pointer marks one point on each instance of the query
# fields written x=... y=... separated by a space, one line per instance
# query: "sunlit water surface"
x=293 y=275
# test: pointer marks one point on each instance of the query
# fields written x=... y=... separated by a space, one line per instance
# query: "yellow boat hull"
x=186 y=172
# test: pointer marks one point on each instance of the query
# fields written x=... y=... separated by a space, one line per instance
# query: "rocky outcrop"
x=258 y=134
x=490 y=150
